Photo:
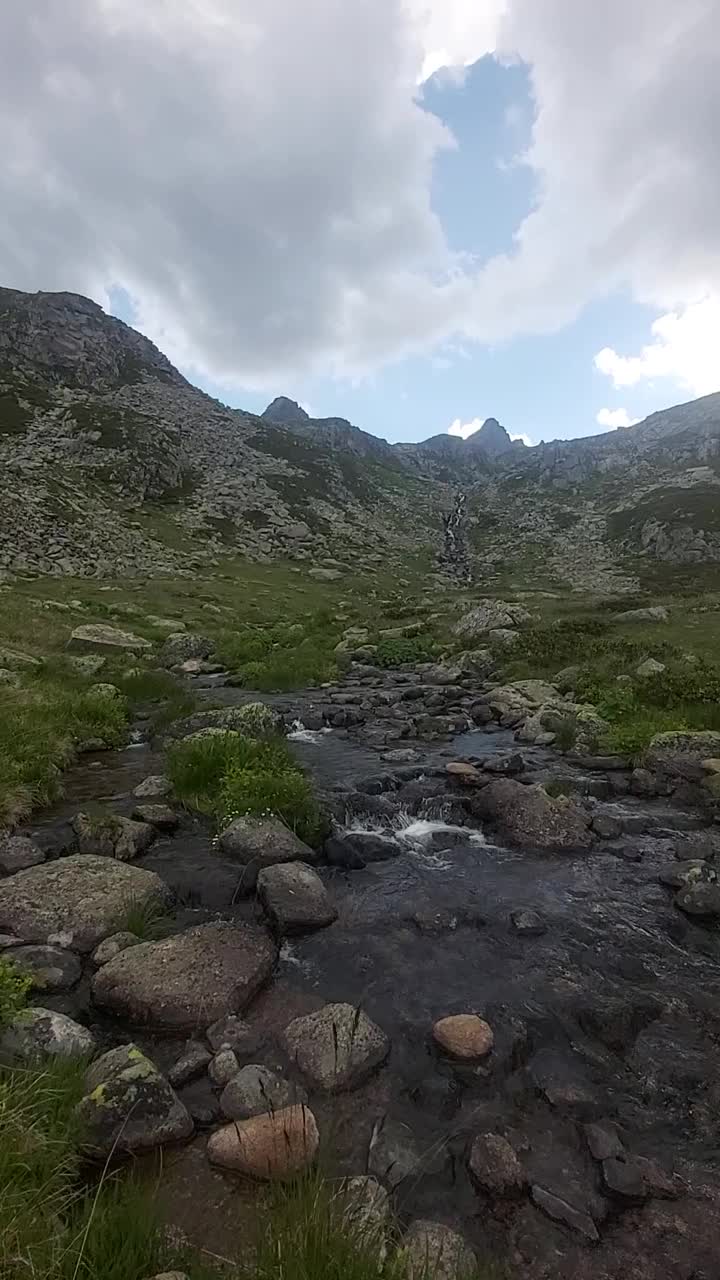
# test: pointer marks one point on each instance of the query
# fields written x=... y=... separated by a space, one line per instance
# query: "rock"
x=232 y=1033
x=623 y=1179
x=159 y=816
x=89 y=665
x=188 y=981
x=528 y=924
x=560 y=1211
x=51 y=968
x=223 y=1067
x=491 y=615
x=393 y=1154
x=336 y=1048
x=566 y=680
x=603 y=1141
x=649 y=668
x=256 y=1089
x=464 y=1036
x=154 y=787
x=679 y=875
x=112 y=946
x=269 y=1147
x=658 y=1183
x=104 y=692
x=528 y=816
x=192 y=1063
x=700 y=899
x=15 y=660
x=494 y=1166
x=129 y=1106
x=606 y=827
x=295 y=898
x=17 y=853
x=170 y=1275
x=83 y=897
x=97 y=637
x=366 y=1214
x=254 y=720
x=464 y=773
x=166 y=624
x=182 y=645
x=324 y=575
x=110 y=836
x=9 y=678
x=433 y=1250
x=257 y=843
x=654 y=613
x=681 y=755
x=41 y=1033
x=355 y=849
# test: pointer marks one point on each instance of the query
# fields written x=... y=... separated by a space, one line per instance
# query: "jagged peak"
x=283 y=409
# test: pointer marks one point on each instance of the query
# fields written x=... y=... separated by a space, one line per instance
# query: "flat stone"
x=97 y=637
x=129 y=1106
x=82 y=897
x=560 y=1211
x=256 y=843
x=494 y=1167
x=160 y=816
x=431 y=1249
x=464 y=1035
x=527 y=924
x=603 y=1141
x=622 y=1178
x=393 y=1154
x=256 y=1089
x=153 y=787
x=269 y=1147
x=295 y=898
x=17 y=853
x=188 y=981
x=112 y=946
x=51 y=968
x=336 y=1048
x=192 y=1063
x=41 y=1033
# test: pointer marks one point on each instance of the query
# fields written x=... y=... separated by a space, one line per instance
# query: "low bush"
x=396 y=651
x=14 y=988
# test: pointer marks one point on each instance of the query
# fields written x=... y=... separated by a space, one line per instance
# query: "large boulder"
x=186 y=982
x=97 y=637
x=489 y=615
x=256 y=843
x=36 y=1034
x=111 y=836
x=295 y=898
x=528 y=816
x=253 y=720
x=273 y=1146
x=82 y=899
x=681 y=755
x=129 y=1106
x=180 y=646
x=336 y=1048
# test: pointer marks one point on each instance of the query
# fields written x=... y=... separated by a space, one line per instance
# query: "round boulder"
x=494 y=1166
x=465 y=1036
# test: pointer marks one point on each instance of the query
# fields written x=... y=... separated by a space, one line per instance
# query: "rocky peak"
x=492 y=438
x=284 y=410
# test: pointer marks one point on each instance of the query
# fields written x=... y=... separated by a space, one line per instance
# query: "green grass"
x=14 y=987
x=149 y=920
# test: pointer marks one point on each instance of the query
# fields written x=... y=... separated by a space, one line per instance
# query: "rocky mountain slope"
x=113 y=464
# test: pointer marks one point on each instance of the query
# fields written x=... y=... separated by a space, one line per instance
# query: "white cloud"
x=615 y=418
x=464 y=429
x=685 y=346
x=522 y=435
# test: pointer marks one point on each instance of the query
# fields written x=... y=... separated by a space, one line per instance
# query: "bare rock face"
x=187 y=982
x=273 y=1146
x=336 y=1048
x=98 y=637
x=129 y=1106
x=528 y=816
x=83 y=897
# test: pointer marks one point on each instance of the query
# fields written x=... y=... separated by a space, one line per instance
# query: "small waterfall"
x=298 y=733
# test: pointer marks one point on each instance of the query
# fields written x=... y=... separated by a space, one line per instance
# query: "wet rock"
x=702 y=846
x=256 y=1089
x=188 y=981
x=56 y=841
x=700 y=899
x=508 y=765
x=295 y=898
x=256 y=843
x=336 y=1048
x=366 y=1213
x=355 y=849
x=112 y=946
x=269 y=1147
x=617 y=1021
x=681 y=755
x=17 y=853
x=481 y=713
x=643 y=783
x=181 y=645
x=603 y=1141
x=606 y=827
x=110 y=836
x=232 y=1033
x=83 y=897
x=433 y=1249
x=466 y=774
x=129 y=1106
x=51 y=968
x=223 y=1067
x=193 y=1062
x=561 y=1083
x=97 y=637
x=560 y=1211
x=623 y=1179
x=393 y=1154
x=41 y=1033
x=680 y=875
x=153 y=787
x=529 y=816
x=494 y=1167
x=464 y=1036
x=159 y=816
x=528 y=924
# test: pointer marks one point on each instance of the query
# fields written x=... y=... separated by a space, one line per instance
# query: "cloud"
x=257 y=175
x=522 y=435
x=464 y=429
x=685 y=346
x=614 y=418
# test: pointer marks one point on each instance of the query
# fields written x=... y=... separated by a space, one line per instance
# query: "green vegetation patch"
x=14 y=987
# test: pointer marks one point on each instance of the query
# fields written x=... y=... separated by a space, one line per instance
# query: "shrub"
x=394 y=652
x=566 y=733
x=14 y=987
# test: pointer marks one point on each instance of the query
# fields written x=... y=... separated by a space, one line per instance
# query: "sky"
x=414 y=214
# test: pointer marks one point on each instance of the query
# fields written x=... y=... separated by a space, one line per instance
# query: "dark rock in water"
x=357 y=804
x=529 y=816
x=257 y=1089
x=193 y=1062
x=616 y=1022
x=111 y=836
x=295 y=898
x=393 y=1155
x=605 y=826
x=528 y=923
x=509 y=765
x=336 y=1048
x=481 y=713
x=623 y=1179
x=681 y=875
x=52 y=968
x=160 y=816
x=129 y=1106
x=659 y=1184
x=446 y=921
x=561 y=1082
x=377 y=785
x=603 y=1141
x=494 y=1167
x=56 y=841
x=355 y=849
x=563 y=1212
x=702 y=900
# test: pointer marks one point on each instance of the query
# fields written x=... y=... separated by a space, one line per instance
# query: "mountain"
x=114 y=464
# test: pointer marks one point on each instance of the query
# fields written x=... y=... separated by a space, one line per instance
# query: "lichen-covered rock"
x=491 y=615
x=272 y=1146
x=98 y=637
x=256 y=843
x=253 y=720
x=433 y=1251
x=528 y=816
x=188 y=981
x=83 y=897
x=653 y=613
x=129 y=1106
x=295 y=898
x=393 y=1153
x=336 y=1048
x=111 y=836
x=41 y=1033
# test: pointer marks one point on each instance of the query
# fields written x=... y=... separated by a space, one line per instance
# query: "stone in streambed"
x=393 y=1154
x=223 y=1067
x=41 y=1033
x=494 y=1166
x=528 y=816
x=355 y=849
x=273 y=1146
x=257 y=1089
x=700 y=899
x=129 y=1106
x=256 y=843
x=192 y=1063
x=464 y=1036
x=560 y=1211
x=153 y=788
x=295 y=898
x=110 y=836
x=159 y=816
x=336 y=1048
x=51 y=968
x=527 y=924
x=433 y=1251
